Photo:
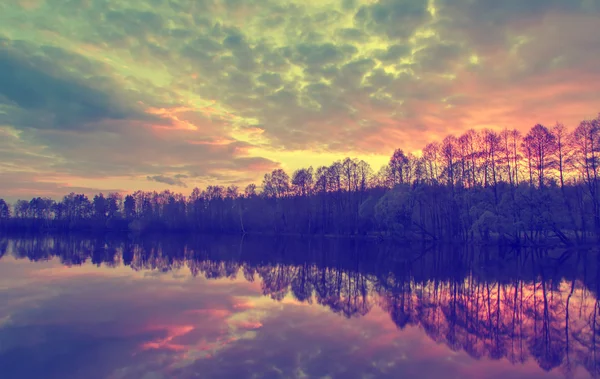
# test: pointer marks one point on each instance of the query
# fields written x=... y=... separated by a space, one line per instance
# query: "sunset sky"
x=100 y=95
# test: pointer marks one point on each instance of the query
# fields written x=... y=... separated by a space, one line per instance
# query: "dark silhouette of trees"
x=4 y=210
x=540 y=145
x=586 y=145
x=4 y=214
x=399 y=169
x=481 y=186
x=276 y=184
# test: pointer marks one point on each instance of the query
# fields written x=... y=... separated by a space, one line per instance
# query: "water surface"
x=287 y=308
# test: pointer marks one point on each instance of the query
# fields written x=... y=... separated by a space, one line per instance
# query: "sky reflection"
x=236 y=319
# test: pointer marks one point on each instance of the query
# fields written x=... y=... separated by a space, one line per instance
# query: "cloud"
x=174 y=181
x=139 y=89
x=397 y=19
x=36 y=92
x=489 y=11
x=147 y=321
x=130 y=345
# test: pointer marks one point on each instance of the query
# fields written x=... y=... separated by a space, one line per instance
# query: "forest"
x=483 y=186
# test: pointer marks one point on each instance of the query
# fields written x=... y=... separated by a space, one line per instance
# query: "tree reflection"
x=500 y=304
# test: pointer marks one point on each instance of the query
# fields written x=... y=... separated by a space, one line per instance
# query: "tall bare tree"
x=540 y=145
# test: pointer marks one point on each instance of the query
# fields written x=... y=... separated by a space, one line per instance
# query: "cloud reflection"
x=323 y=309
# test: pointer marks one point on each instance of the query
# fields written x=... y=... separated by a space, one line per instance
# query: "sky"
x=99 y=95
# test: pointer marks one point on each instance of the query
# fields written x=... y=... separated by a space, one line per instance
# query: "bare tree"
x=4 y=210
x=398 y=166
x=250 y=190
x=431 y=154
x=302 y=182
x=349 y=175
x=561 y=152
x=449 y=155
x=276 y=184
x=540 y=146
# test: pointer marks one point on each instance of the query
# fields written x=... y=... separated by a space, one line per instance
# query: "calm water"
x=277 y=308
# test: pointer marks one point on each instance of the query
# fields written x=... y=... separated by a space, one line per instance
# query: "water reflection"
x=495 y=305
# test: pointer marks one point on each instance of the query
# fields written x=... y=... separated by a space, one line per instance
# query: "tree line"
x=480 y=186
x=539 y=304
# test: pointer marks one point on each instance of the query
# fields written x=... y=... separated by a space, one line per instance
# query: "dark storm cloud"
x=48 y=96
x=395 y=18
x=322 y=54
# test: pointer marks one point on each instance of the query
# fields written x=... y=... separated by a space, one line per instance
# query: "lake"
x=258 y=307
